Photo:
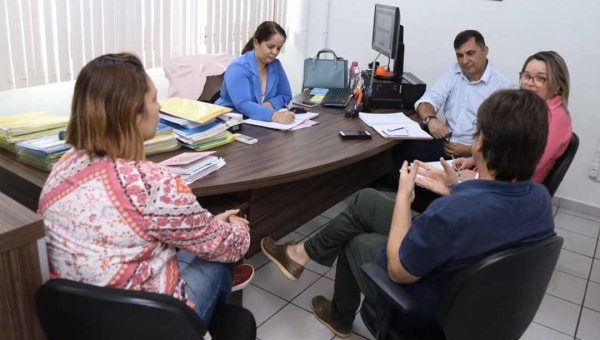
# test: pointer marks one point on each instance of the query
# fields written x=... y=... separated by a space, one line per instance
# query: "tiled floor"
x=570 y=309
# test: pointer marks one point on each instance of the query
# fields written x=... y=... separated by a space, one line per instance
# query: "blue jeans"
x=207 y=283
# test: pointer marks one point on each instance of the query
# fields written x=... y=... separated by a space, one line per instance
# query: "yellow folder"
x=29 y=122
x=193 y=110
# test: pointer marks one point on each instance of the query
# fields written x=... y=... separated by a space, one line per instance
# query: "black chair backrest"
x=74 y=310
x=556 y=175
x=497 y=297
x=212 y=89
x=214 y=98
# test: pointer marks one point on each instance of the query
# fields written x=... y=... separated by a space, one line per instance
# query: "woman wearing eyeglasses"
x=546 y=74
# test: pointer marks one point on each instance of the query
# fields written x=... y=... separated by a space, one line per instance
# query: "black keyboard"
x=336 y=97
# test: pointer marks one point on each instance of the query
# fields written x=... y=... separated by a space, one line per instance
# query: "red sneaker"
x=242 y=275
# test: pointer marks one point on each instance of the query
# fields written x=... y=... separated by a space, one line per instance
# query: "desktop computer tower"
x=393 y=93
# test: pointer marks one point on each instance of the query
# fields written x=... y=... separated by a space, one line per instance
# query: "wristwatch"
x=427 y=119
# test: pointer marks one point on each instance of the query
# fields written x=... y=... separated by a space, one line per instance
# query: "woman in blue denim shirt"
x=255 y=83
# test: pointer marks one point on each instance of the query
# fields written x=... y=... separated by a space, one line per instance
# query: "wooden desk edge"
x=288 y=177
x=19 y=225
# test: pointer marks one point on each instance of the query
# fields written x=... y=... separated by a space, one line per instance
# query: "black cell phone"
x=298 y=110
x=355 y=135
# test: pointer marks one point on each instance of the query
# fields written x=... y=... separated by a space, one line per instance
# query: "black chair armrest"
x=393 y=291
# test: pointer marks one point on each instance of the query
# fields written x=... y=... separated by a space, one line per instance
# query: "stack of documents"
x=29 y=125
x=394 y=126
x=318 y=90
x=42 y=153
x=300 y=118
x=201 y=137
x=194 y=165
x=317 y=94
x=192 y=110
x=165 y=140
x=194 y=123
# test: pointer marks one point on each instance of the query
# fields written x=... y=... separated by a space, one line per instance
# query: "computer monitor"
x=388 y=36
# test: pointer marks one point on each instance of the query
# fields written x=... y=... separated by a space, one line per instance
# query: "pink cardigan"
x=187 y=74
x=559 y=136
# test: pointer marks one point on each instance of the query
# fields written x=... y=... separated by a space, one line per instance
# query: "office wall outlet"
x=594 y=171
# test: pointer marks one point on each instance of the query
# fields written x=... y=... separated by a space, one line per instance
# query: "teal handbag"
x=325 y=73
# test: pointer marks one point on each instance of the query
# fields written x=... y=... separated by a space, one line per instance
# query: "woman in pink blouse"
x=113 y=219
x=546 y=74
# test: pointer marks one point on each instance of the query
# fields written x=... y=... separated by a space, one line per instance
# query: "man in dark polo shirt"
x=500 y=209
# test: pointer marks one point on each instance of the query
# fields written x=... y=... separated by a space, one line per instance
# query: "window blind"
x=48 y=41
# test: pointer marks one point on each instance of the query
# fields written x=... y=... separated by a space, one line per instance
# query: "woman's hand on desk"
x=283 y=117
x=436 y=180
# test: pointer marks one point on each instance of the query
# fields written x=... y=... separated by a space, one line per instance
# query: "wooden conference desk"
x=20 y=272
x=280 y=183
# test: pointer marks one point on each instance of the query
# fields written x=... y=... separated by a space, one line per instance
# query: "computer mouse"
x=298 y=110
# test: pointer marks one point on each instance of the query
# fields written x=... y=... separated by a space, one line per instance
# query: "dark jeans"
x=354 y=238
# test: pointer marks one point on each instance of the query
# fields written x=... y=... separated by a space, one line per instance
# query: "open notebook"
x=394 y=126
x=300 y=118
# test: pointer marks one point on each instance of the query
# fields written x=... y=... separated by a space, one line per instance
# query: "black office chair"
x=212 y=89
x=559 y=170
x=494 y=298
x=214 y=98
x=74 y=310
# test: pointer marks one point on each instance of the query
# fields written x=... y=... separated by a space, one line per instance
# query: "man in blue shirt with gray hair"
x=460 y=90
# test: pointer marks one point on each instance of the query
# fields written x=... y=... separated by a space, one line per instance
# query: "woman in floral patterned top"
x=113 y=219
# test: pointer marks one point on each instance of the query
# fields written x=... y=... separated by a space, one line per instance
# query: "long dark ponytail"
x=264 y=32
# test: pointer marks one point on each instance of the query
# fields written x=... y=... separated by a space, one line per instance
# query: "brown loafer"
x=277 y=253
x=321 y=308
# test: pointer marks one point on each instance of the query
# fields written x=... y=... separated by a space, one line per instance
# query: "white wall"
x=306 y=31
x=513 y=29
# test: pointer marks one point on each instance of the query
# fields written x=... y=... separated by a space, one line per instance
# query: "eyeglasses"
x=537 y=80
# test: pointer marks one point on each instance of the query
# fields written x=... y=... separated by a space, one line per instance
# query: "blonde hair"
x=558 y=73
x=109 y=95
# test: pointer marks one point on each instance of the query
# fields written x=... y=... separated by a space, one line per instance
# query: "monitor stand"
x=398 y=71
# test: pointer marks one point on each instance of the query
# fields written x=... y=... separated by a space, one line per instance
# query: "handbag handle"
x=326 y=50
